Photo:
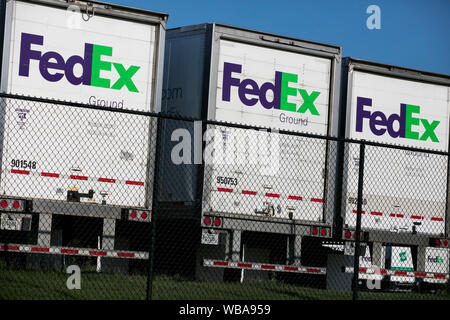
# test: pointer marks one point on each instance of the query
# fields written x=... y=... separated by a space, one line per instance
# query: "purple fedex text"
x=53 y=67
x=250 y=92
x=380 y=123
x=46 y=63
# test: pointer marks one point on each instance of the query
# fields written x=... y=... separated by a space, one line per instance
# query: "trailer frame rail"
x=263 y=266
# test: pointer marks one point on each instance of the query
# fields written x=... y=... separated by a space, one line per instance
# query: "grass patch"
x=32 y=284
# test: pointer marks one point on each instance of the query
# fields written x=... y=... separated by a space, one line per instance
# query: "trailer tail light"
x=211 y=221
x=207 y=221
x=12 y=205
x=351 y=235
x=441 y=243
x=138 y=215
x=320 y=232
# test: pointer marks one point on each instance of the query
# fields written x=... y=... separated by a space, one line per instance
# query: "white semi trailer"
x=405 y=193
x=249 y=183
x=74 y=175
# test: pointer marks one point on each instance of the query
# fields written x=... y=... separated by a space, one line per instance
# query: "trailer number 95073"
x=227 y=180
x=24 y=164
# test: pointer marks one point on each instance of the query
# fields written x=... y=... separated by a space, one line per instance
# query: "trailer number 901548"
x=24 y=164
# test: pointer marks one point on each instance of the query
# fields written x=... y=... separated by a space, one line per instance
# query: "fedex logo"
x=380 y=123
x=250 y=92
x=436 y=259
x=53 y=67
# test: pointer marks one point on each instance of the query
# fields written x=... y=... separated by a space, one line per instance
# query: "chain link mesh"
x=101 y=203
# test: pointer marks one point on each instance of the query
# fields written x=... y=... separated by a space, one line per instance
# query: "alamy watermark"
x=227 y=146
x=374 y=20
x=74 y=280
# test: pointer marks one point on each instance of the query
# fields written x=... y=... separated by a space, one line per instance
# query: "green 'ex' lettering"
x=287 y=91
x=411 y=121
x=429 y=130
x=98 y=65
x=308 y=102
x=125 y=77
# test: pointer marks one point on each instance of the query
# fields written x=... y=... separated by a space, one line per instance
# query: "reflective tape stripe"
x=125 y=254
x=416 y=274
x=313 y=270
x=134 y=183
x=268 y=194
x=273 y=195
x=75 y=251
x=400 y=215
x=15 y=171
x=75 y=177
x=287 y=268
x=69 y=251
x=45 y=174
x=97 y=253
x=9 y=247
x=49 y=174
x=400 y=273
x=262 y=267
x=38 y=249
x=267 y=267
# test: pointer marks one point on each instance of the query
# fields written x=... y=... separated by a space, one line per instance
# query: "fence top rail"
x=169 y=116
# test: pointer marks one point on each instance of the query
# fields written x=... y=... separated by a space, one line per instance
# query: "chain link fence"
x=101 y=203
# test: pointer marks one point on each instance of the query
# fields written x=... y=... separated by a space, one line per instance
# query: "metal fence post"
x=362 y=147
x=151 y=254
x=150 y=262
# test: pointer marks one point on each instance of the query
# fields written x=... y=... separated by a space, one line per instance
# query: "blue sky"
x=414 y=33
